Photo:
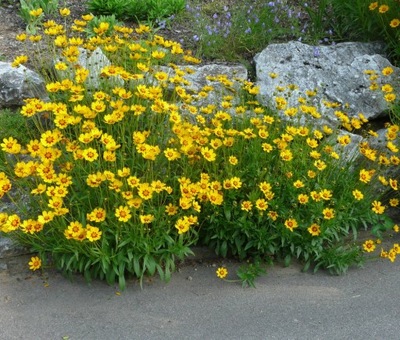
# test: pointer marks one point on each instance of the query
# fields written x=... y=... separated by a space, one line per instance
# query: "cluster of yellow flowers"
x=383 y=8
x=141 y=153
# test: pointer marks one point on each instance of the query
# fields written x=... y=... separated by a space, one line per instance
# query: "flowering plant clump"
x=128 y=170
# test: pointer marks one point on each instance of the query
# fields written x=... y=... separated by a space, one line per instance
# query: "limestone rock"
x=17 y=84
x=9 y=248
x=197 y=77
x=336 y=71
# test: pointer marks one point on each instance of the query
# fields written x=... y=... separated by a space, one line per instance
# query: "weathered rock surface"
x=9 y=248
x=17 y=84
x=336 y=71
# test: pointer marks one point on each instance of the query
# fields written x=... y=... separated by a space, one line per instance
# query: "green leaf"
x=287 y=260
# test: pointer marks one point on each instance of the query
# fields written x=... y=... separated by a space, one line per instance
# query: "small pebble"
x=189 y=278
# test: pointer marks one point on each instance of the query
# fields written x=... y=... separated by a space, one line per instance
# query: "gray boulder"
x=337 y=72
x=9 y=248
x=17 y=84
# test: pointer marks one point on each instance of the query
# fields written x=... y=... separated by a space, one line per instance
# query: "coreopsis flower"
x=123 y=213
x=387 y=71
x=35 y=263
x=373 y=5
x=396 y=228
x=298 y=184
x=146 y=219
x=320 y=165
x=326 y=194
x=358 y=195
x=291 y=224
x=246 y=206
x=261 y=204
x=286 y=155
x=390 y=97
x=171 y=209
x=393 y=184
x=314 y=229
x=302 y=198
x=369 y=246
x=36 y=12
x=21 y=37
x=387 y=88
x=222 y=272
x=182 y=225
x=97 y=215
x=377 y=207
x=145 y=191
x=21 y=59
x=394 y=202
x=64 y=12
x=208 y=154
x=11 y=145
x=328 y=213
x=90 y=154
x=392 y=255
x=365 y=176
x=93 y=233
x=383 y=9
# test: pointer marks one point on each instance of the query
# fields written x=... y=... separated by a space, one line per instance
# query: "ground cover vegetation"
x=124 y=177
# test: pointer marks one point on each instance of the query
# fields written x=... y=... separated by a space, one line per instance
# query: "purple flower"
x=271 y=4
x=196 y=37
x=215 y=16
x=248 y=31
x=316 y=52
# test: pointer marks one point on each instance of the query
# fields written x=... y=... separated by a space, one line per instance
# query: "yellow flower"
x=344 y=140
x=97 y=215
x=302 y=198
x=64 y=12
x=92 y=233
x=320 y=165
x=286 y=155
x=328 y=213
x=36 y=12
x=377 y=207
x=392 y=255
x=222 y=272
x=35 y=263
x=365 y=176
x=298 y=184
x=208 y=154
x=182 y=225
x=390 y=97
x=10 y=145
x=373 y=5
x=394 y=202
x=369 y=246
x=261 y=204
x=233 y=160
x=90 y=154
x=383 y=8
x=146 y=219
x=326 y=194
x=314 y=229
x=246 y=205
x=123 y=213
x=171 y=209
x=387 y=71
x=358 y=195
x=21 y=59
x=291 y=224
x=393 y=184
